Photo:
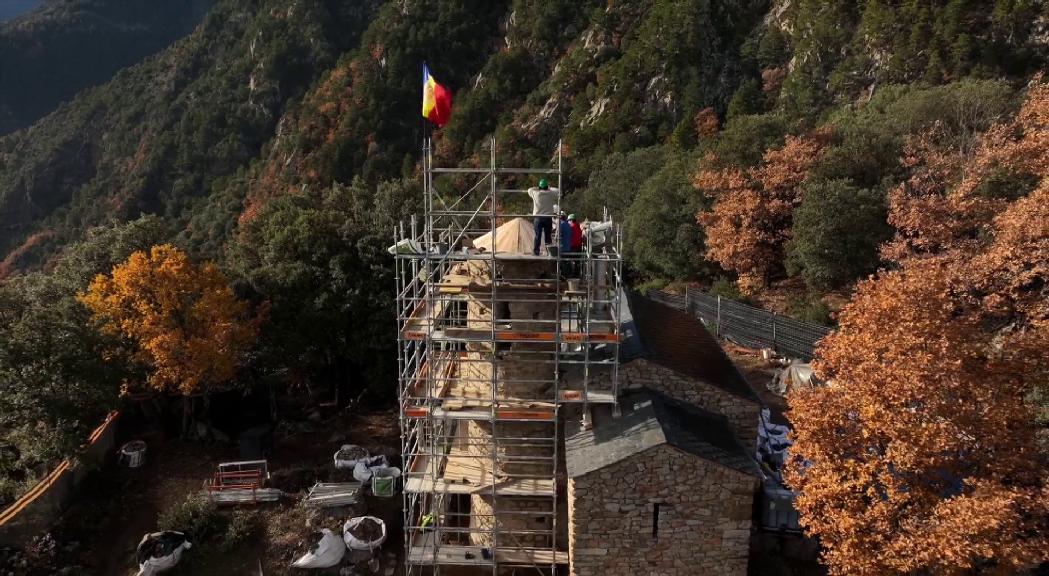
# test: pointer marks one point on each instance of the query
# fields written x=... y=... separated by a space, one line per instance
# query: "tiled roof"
x=679 y=341
x=650 y=419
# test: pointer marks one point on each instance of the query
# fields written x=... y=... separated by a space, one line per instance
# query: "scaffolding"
x=494 y=341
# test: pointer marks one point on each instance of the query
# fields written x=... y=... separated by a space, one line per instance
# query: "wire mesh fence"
x=747 y=325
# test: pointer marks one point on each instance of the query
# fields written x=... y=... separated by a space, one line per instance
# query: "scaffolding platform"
x=463 y=473
x=423 y=552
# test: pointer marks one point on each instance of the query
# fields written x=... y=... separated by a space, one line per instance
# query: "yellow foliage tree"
x=186 y=325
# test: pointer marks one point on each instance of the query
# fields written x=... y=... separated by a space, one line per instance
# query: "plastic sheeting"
x=327 y=552
x=793 y=375
x=365 y=467
x=406 y=246
x=773 y=444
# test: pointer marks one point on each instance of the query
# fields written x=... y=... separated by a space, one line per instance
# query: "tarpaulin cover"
x=794 y=375
x=516 y=236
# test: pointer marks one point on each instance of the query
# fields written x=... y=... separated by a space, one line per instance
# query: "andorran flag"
x=437 y=100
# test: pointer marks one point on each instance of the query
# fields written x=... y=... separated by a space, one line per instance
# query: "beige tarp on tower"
x=516 y=236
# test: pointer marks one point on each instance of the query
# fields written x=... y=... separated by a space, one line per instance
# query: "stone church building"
x=667 y=485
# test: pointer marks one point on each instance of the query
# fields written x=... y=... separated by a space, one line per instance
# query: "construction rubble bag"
x=160 y=551
x=347 y=456
x=365 y=467
x=364 y=533
x=327 y=552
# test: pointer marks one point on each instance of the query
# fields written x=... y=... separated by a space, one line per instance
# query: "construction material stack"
x=497 y=347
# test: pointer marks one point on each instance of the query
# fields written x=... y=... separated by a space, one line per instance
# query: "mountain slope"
x=13 y=8
x=269 y=97
x=64 y=46
x=156 y=137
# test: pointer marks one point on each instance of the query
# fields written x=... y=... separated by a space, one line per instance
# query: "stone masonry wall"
x=517 y=517
x=524 y=371
x=703 y=526
x=742 y=415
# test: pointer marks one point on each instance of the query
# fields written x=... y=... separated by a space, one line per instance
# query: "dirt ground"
x=758 y=374
x=99 y=534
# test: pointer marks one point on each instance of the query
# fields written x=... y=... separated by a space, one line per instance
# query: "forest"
x=874 y=165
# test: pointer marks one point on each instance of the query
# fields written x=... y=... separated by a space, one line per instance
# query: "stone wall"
x=743 y=415
x=515 y=458
x=523 y=371
x=516 y=517
x=703 y=525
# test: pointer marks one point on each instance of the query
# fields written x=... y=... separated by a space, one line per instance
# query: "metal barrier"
x=747 y=325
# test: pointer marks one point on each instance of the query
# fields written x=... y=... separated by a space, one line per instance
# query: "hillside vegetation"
x=14 y=8
x=752 y=143
x=50 y=54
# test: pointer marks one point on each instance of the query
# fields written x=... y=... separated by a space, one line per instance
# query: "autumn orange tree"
x=750 y=222
x=183 y=321
x=923 y=454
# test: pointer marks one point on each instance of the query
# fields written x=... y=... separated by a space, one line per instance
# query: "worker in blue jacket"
x=564 y=231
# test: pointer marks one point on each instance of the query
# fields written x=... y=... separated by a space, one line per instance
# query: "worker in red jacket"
x=577 y=234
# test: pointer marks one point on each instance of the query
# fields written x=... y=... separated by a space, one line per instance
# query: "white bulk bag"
x=355 y=543
x=160 y=551
x=326 y=553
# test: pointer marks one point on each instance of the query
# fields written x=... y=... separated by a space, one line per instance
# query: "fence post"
x=686 y=298
x=775 y=345
x=718 y=331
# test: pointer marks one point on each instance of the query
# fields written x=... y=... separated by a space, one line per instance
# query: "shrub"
x=647 y=286
x=196 y=516
x=810 y=308
x=243 y=526
x=746 y=138
x=726 y=288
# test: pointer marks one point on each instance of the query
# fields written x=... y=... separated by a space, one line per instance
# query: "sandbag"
x=160 y=551
x=327 y=552
x=361 y=533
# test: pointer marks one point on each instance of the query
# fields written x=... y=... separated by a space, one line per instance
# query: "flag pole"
x=425 y=152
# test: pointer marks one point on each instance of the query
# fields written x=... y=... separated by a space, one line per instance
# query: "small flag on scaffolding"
x=437 y=100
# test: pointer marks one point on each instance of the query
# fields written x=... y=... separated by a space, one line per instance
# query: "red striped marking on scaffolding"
x=512 y=336
x=507 y=413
